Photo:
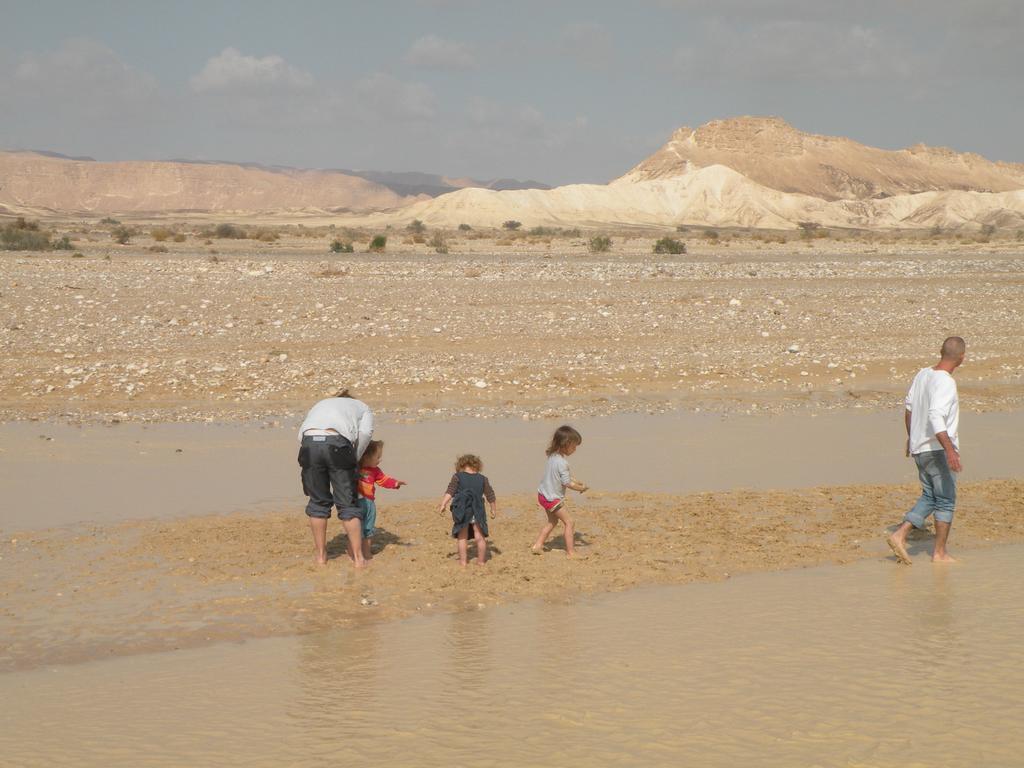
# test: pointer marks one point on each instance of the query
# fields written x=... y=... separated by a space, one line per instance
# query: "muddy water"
x=866 y=665
x=123 y=472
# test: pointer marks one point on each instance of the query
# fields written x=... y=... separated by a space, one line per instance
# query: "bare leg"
x=569 y=529
x=318 y=525
x=368 y=548
x=898 y=542
x=464 y=546
x=940 y=554
x=481 y=546
x=538 y=545
x=354 y=529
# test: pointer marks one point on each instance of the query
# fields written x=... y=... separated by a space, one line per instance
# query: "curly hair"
x=469 y=460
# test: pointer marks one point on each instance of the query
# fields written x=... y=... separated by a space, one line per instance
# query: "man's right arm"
x=941 y=400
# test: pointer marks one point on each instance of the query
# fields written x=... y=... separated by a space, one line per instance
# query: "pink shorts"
x=549 y=505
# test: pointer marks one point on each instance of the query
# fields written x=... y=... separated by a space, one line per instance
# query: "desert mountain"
x=35 y=182
x=774 y=154
x=414 y=183
x=714 y=196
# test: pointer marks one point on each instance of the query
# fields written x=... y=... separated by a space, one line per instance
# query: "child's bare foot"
x=896 y=545
x=945 y=557
x=320 y=557
x=537 y=549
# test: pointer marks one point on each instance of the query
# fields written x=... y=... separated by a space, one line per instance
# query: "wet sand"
x=104 y=474
x=74 y=594
x=860 y=665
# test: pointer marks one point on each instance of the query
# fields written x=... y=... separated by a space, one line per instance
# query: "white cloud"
x=386 y=96
x=433 y=52
x=232 y=69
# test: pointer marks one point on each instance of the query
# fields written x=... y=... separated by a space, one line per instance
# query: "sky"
x=559 y=91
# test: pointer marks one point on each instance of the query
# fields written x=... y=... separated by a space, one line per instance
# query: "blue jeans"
x=938 y=489
x=369 y=507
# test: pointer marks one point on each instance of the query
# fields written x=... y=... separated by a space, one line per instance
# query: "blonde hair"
x=564 y=437
x=469 y=460
x=373 y=448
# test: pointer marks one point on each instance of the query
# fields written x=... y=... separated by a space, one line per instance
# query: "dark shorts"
x=329 y=476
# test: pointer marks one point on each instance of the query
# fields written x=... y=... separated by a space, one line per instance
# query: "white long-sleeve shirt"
x=350 y=418
x=934 y=407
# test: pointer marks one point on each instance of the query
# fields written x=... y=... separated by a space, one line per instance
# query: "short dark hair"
x=343 y=393
x=953 y=348
x=564 y=437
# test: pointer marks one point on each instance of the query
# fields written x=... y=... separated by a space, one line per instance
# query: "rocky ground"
x=522 y=326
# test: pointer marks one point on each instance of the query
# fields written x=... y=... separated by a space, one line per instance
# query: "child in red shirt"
x=370 y=476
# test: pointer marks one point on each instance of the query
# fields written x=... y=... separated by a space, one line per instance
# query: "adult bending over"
x=932 y=418
x=333 y=438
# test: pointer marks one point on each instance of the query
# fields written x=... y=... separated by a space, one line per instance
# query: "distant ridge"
x=416 y=183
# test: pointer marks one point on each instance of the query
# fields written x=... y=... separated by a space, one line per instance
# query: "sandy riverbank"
x=107 y=590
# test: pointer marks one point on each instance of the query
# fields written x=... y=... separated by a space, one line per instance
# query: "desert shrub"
x=936 y=231
x=512 y=224
x=229 y=232
x=160 y=234
x=338 y=246
x=122 y=234
x=600 y=244
x=63 y=244
x=179 y=238
x=464 y=227
x=1020 y=234
x=416 y=227
x=669 y=245
x=543 y=231
x=438 y=243
x=109 y=221
x=21 y=235
x=987 y=230
x=419 y=239
x=158 y=249
x=80 y=255
x=681 y=228
x=710 y=234
x=570 y=233
x=378 y=244
x=265 y=235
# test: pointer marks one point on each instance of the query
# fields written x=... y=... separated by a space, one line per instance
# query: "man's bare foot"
x=360 y=564
x=945 y=557
x=321 y=558
x=896 y=545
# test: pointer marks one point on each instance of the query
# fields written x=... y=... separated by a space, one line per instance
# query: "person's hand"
x=906 y=451
x=583 y=487
x=399 y=484
x=953 y=459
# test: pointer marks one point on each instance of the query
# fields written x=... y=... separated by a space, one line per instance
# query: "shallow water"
x=131 y=471
x=861 y=665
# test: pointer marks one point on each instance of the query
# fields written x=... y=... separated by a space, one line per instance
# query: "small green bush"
x=464 y=227
x=600 y=244
x=179 y=238
x=160 y=234
x=417 y=227
x=987 y=230
x=338 y=246
x=229 y=232
x=710 y=234
x=64 y=244
x=109 y=221
x=438 y=243
x=21 y=235
x=669 y=245
x=512 y=224
x=378 y=244
x=158 y=249
x=122 y=235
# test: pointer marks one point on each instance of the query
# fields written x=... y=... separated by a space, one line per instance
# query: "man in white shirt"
x=932 y=418
x=332 y=439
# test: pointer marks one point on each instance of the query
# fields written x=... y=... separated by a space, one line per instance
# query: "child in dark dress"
x=466 y=493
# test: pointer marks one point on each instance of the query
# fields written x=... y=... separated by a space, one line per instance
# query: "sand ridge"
x=93 y=591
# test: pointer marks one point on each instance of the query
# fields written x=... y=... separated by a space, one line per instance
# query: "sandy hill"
x=714 y=196
x=31 y=181
x=416 y=183
x=771 y=152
